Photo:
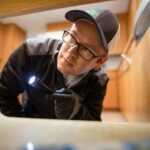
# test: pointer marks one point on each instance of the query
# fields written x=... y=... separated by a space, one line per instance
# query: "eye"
x=84 y=52
x=68 y=38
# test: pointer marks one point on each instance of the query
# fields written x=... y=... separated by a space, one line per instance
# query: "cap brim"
x=75 y=15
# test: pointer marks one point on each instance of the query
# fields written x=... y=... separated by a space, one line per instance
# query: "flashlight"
x=33 y=80
x=36 y=82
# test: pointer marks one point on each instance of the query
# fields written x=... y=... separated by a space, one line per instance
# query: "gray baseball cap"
x=106 y=23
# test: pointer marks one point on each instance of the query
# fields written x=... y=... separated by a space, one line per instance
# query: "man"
x=61 y=79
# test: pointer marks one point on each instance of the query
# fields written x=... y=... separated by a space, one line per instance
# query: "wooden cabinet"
x=111 y=98
x=134 y=85
x=1 y=40
x=11 y=36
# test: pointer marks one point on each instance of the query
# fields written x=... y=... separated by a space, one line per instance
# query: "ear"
x=100 y=61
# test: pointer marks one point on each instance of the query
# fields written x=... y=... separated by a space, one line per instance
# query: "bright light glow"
x=32 y=80
x=30 y=146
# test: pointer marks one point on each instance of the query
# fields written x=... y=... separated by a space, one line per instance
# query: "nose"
x=72 y=51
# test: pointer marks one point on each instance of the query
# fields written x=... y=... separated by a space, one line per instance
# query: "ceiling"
x=37 y=22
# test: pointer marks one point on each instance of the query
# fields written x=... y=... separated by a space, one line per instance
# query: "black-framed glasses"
x=85 y=52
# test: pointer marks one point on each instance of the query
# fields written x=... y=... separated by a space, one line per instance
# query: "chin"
x=63 y=70
x=63 y=67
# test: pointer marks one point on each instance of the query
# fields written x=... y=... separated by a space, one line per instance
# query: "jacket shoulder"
x=101 y=77
x=41 y=45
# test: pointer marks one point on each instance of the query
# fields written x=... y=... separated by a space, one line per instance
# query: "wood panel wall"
x=123 y=36
x=111 y=98
x=58 y=26
x=11 y=36
x=134 y=85
x=1 y=40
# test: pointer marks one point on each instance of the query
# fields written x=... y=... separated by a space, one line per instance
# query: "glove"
x=66 y=102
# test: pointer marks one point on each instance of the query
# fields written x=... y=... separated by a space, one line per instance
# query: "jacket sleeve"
x=11 y=83
x=92 y=106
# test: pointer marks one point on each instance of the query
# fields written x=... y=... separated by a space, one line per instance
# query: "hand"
x=65 y=101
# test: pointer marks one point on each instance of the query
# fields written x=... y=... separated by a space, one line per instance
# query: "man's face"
x=70 y=60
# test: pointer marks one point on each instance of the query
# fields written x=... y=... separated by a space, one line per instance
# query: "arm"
x=91 y=108
x=11 y=83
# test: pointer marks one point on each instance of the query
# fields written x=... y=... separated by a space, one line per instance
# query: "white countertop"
x=15 y=132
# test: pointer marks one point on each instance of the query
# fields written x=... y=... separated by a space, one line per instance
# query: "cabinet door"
x=11 y=36
x=111 y=98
